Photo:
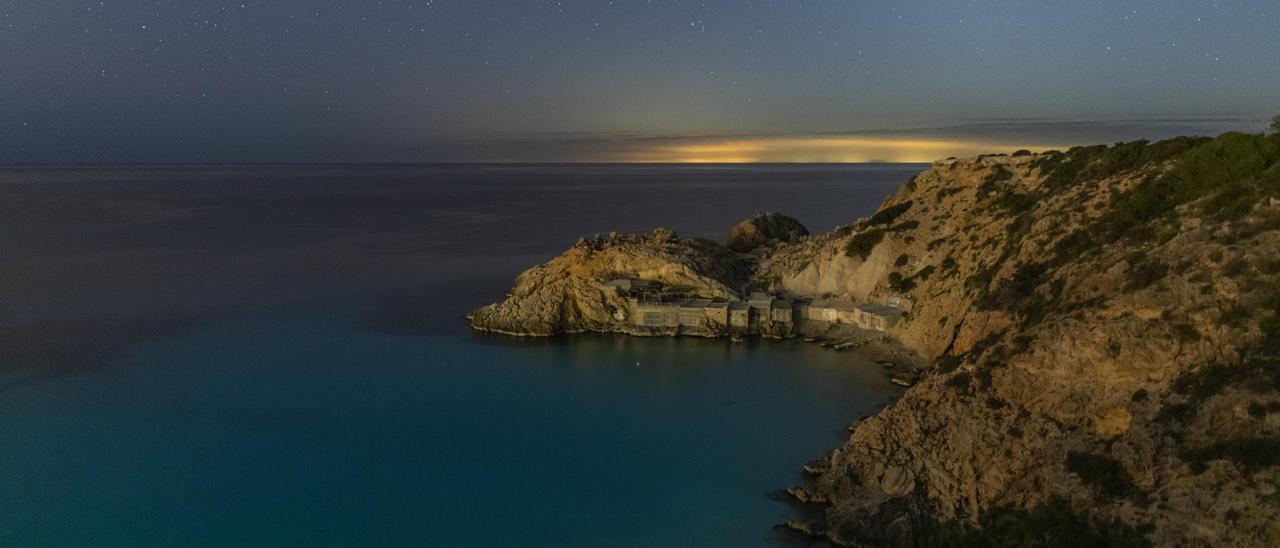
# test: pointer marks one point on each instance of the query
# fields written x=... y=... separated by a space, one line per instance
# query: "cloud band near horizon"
x=915 y=145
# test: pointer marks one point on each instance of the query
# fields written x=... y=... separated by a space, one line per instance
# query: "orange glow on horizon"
x=822 y=149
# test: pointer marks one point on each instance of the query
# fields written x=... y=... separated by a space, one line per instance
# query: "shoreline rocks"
x=1030 y=338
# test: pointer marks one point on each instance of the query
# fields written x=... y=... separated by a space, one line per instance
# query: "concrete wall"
x=669 y=315
x=656 y=315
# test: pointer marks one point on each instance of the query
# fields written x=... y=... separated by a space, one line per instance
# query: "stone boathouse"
x=678 y=310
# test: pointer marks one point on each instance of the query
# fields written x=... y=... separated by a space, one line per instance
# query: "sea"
x=276 y=355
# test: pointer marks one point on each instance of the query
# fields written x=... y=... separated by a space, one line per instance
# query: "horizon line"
x=455 y=163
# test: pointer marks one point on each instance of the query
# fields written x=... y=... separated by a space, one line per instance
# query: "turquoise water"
x=313 y=430
x=276 y=357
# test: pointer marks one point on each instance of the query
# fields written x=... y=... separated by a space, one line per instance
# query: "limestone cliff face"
x=568 y=294
x=1102 y=326
x=1059 y=326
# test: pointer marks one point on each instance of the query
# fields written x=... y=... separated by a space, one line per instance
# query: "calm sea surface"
x=275 y=355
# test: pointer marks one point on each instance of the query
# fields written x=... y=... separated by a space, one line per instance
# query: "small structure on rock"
x=781 y=311
x=692 y=312
x=679 y=310
x=739 y=315
x=718 y=314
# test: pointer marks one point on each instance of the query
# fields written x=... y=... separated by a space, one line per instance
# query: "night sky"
x=628 y=80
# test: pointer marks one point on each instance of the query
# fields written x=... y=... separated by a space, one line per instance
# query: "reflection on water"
x=275 y=355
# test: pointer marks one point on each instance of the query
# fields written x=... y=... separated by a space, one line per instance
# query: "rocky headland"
x=1099 y=326
x=569 y=294
x=765 y=229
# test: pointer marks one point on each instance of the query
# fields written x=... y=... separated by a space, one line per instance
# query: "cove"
x=276 y=355
x=303 y=426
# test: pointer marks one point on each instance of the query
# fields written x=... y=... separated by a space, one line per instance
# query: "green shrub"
x=1052 y=523
x=1235 y=171
x=905 y=225
x=981 y=279
x=983 y=375
x=991 y=183
x=904 y=284
x=1249 y=455
x=1227 y=169
x=1139 y=395
x=1015 y=202
x=1235 y=267
x=1230 y=172
x=1257 y=373
x=1235 y=315
x=1063 y=169
x=861 y=244
x=1014 y=294
x=1175 y=413
x=924 y=273
x=1102 y=472
x=1205 y=382
x=1047 y=161
x=1080 y=164
x=1022 y=343
x=959 y=381
x=889 y=214
x=1270 y=345
x=948 y=363
x=1185 y=331
x=1144 y=271
x=902 y=260
x=1257 y=410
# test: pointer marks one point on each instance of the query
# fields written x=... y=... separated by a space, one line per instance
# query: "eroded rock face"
x=1039 y=353
x=569 y=295
x=765 y=229
x=1046 y=340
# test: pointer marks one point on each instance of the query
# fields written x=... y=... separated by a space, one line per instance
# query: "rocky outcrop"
x=1101 y=325
x=1065 y=317
x=569 y=295
x=765 y=229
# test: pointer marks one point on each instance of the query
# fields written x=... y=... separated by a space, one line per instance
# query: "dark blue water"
x=274 y=355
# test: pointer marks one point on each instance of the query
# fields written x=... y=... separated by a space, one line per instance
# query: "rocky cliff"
x=765 y=229
x=568 y=294
x=1101 y=324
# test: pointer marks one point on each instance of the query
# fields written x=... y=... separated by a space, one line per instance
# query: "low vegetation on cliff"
x=1104 y=329
x=1102 y=326
x=1053 y=523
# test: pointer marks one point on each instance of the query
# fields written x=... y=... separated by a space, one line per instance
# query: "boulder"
x=764 y=229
